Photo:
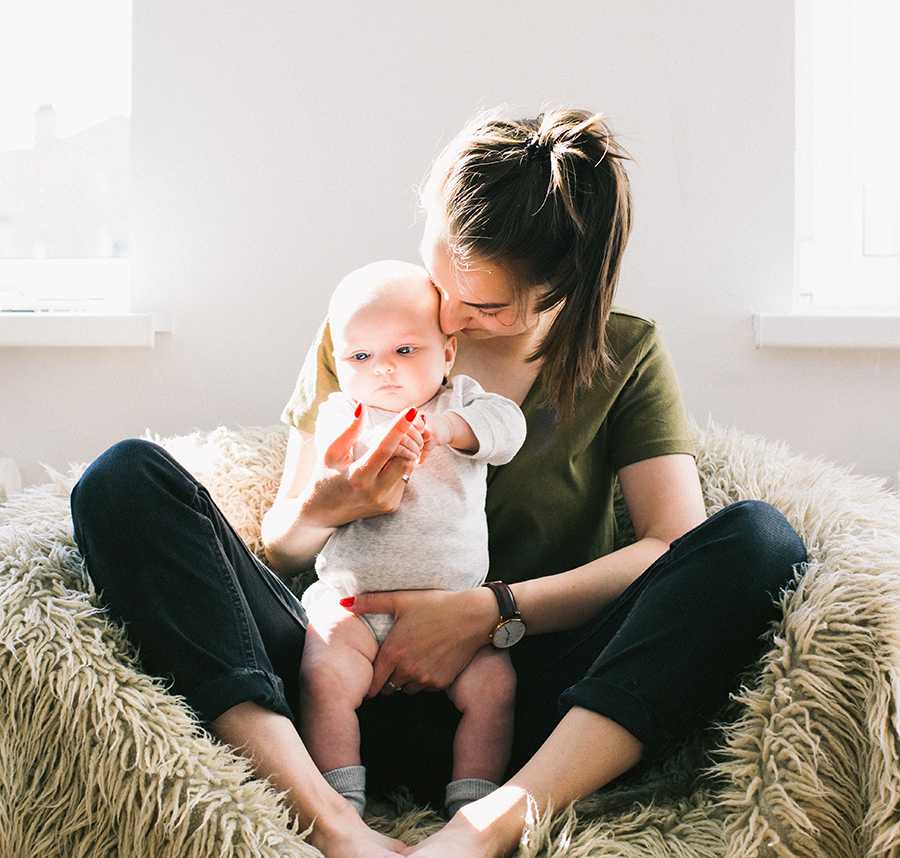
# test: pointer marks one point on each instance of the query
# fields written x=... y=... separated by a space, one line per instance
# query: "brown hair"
x=549 y=199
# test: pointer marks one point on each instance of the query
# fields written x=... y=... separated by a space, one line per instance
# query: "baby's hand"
x=438 y=432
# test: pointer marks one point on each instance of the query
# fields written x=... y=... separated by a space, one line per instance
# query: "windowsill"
x=38 y=330
x=829 y=329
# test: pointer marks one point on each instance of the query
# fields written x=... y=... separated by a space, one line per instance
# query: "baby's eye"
x=357 y=355
x=406 y=350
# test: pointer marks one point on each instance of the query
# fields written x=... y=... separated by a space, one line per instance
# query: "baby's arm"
x=495 y=423
x=451 y=429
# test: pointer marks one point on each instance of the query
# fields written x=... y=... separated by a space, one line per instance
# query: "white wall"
x=276 y=146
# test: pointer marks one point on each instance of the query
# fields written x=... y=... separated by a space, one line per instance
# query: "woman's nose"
x=452 y=317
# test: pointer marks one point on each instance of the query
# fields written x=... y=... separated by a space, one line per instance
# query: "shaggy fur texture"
x=98 y=759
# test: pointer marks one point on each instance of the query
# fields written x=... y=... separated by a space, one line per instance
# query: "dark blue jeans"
x=214 y=621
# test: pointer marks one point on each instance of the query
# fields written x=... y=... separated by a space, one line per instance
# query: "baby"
x=391 y=355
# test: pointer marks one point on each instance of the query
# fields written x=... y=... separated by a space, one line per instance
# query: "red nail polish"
x=411 y=415
x=348 y=601
x=358 y=410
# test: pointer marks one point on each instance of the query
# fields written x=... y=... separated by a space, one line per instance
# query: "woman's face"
x=477 y=301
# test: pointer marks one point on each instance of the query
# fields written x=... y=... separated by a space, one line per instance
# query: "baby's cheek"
x=354 y=384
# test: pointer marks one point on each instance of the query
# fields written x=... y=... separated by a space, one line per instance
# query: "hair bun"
x=535 y=149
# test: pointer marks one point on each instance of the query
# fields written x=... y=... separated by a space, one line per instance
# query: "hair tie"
x=535 y=149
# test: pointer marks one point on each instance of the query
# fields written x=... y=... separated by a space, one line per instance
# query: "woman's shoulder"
x=628 y=326
x=630 y=335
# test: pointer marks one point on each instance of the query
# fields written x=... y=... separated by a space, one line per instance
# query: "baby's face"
x=392 y=354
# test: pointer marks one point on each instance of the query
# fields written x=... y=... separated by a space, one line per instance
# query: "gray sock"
x=460 y=793
x=350 y=782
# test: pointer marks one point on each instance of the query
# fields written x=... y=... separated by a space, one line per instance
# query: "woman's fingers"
x=372 y=463
x=337 y=454
x=413 y=443
x=410 y=444
x=382 y=669
x=395 y=685
x=395 y=470
x=415 y=436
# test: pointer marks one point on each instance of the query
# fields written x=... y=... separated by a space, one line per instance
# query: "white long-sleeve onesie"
x=437 y=538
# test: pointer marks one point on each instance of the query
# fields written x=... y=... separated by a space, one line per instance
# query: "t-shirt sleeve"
x=316 y=381
x=648 y=417
x=497 y=422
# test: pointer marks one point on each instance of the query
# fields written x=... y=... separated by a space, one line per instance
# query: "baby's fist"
x=438 y=432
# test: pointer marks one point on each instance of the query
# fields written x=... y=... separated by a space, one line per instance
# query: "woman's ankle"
x=498 y=819
x=339 y=817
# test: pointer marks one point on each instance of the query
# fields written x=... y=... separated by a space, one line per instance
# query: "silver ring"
x=394 y=687
x=405 y=478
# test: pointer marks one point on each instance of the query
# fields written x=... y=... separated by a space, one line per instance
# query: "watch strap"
x=505 y=599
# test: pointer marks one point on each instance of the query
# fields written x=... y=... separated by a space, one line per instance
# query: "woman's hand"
x=435 y=635
x=342 y=489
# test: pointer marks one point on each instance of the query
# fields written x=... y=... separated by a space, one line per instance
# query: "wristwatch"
x=511 y=628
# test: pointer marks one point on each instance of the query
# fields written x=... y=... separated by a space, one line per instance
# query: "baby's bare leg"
x=335 y=674
x=485 y=694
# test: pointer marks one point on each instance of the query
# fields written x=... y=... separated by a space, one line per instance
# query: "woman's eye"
x=489 y=315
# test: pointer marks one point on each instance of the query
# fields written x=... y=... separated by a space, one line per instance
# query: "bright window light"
x=848 y=136
x=65 y=172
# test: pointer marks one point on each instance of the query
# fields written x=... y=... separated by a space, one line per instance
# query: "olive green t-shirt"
x=551 y=508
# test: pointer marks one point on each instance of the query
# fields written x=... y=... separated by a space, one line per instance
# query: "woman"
x=625 y=651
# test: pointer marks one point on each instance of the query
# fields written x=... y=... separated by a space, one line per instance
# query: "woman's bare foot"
x=345 y=835
x=487 y=828
x=457 y=839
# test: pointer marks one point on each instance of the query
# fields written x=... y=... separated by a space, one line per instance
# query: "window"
x=848 y=134
x=65 y=170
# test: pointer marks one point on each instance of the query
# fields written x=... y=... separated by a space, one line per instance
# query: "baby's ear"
x=450 y=350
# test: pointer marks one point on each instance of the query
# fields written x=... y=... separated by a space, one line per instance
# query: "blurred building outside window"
x=65 y=165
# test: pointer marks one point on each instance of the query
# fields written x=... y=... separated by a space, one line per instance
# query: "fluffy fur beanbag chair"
x=98 y=759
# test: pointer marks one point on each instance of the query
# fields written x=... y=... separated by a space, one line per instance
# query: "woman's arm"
x=320 y=492
x=290 y=544
x=437 y=633
x=664 y=501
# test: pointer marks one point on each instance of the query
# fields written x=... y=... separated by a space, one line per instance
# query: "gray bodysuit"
x=437 y=538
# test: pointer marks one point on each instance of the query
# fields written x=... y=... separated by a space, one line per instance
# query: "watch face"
x=509 y=633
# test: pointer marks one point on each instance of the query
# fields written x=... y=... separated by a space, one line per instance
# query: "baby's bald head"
x=389 y=349
x=400 y=285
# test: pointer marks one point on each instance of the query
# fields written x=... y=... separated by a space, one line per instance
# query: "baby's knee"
x=335 y=673
x=488 y=683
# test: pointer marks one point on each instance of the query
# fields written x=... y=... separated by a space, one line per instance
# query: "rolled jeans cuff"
x=620 y=705
x=240 y=686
